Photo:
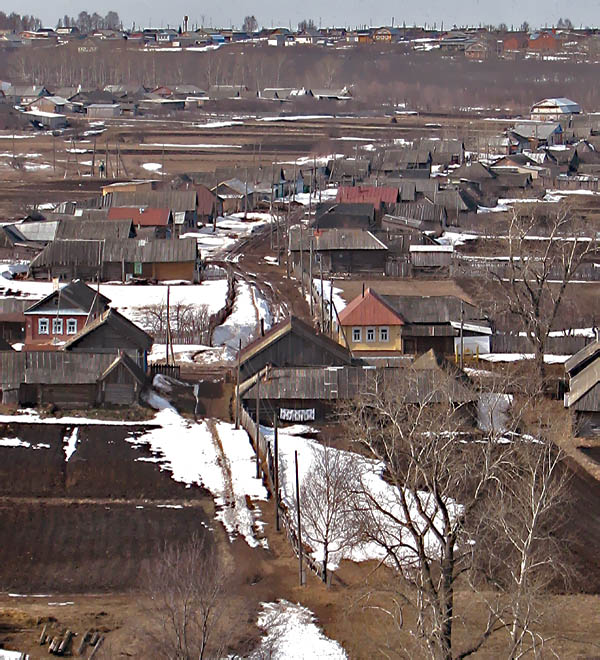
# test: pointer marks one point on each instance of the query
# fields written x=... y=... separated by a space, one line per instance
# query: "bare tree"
x=533 y=289
x=186 y=585
x=326 y=512
x=250 y=25
x=446 y=473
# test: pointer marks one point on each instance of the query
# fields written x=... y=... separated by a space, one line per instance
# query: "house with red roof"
x=148 y=222
x=377 y=325
x=379 y=196
x=369 y=323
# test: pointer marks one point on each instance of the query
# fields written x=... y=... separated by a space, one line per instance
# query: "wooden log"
x=84 y=640
x=65 y=645
x=96 y=647
x=53 y=646
x=44 y=636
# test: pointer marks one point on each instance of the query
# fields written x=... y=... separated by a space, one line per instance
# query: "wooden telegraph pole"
x=237 y=391
x=299 y=522
x=258 y=426
x=276 y=438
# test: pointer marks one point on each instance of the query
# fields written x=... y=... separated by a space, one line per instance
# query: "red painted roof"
x=375 y=195
x=369 y=309
x=142 y=217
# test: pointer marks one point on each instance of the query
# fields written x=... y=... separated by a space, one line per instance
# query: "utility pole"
x=299 y=522
x=237 y=397
x=258 y=425
x=276 y=438
x=310 y=276
x=54 y=153
x=462 y=334
x=322 y=296
x=301 y=262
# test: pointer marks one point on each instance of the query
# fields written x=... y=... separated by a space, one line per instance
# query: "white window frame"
x=384 y=334
x=371 y=334
x=71 y=326
x=57 y=325
x=43 y=326
x=356 y=335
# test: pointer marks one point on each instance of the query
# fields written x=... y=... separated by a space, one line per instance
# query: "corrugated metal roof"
x=119 y=324
x=375 y=195
x=144 y=217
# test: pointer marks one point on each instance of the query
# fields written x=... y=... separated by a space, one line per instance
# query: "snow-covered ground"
x=244 y=321
x=230 y=229
x=292 y=634
x=130 y=299
x=516 y=357
x=370 y=474
x=191 y=453
x=338 y=301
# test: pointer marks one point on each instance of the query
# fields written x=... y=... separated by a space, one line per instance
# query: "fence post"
x=276 y=443
x=257 y=436
x=299 y=523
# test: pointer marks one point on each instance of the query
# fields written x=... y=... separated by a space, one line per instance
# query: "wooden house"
x=148 y=222
x=69 y=380
x=373 y=324
x=62 y=314
x=302 y=394
x=235 y=196
x=583 y=397
x=348 y=171
x=334 y=215
x=176 y=201
x=380 y=197
x=338 y=250
x=291 y=343
x=108 y=260
x=12 y=319
x=111 y=332
x=70 y=228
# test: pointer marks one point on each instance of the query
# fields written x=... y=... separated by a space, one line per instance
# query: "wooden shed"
x=583 y=397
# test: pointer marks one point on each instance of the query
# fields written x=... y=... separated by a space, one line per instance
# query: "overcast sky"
x=333 y=12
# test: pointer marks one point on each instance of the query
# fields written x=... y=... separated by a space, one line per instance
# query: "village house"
x=554 y=109
x=537 y=134
x=291 y=343
x=108 y=260
x=69 y=380
x=372 y=324
x=62 y=314
x=148 y=222
x=338 y=250
x=583 y=397
x=331 y=215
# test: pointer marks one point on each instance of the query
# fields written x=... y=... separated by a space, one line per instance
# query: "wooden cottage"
x=69 y=380
x=583 y=397
x=62 y=314
x=373 y=325
x=108 y=260
x=288 y=344
x=338 y=250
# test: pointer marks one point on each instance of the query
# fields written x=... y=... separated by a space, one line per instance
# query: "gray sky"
x=333 y=12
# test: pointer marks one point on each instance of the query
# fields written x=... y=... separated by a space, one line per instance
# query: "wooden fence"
x=266 y=455
x=171 y=370
x=567 y=345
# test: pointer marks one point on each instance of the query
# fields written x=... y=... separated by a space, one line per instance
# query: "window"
x=384 y=334
x=43 y=327
x=370 y=334
x=71 y=326
x=356 y=334
x=57 y=326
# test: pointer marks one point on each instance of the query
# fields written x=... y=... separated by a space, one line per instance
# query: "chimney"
x=363 y=293
x=185 y=23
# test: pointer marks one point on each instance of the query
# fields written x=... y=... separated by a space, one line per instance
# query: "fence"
x=171 y=370
x=265 y=452
x=480 y=267
x=567 y=345
x=570 y=183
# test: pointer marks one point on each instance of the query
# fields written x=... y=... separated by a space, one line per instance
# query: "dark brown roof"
x=294 y=324
x=77 y=293
x=92 y=229
x=119 y=324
